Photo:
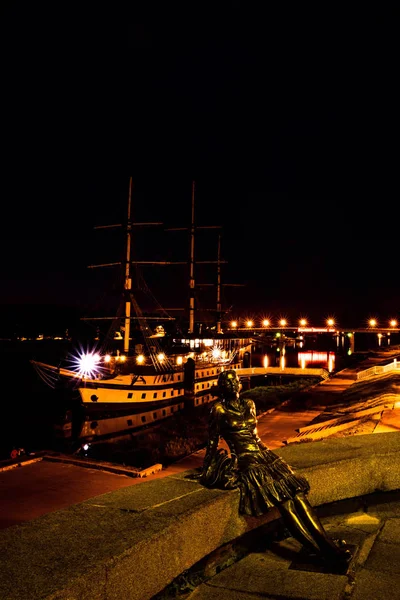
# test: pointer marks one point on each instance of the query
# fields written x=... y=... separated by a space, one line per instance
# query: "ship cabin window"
x=143 y=395
x=155 y=395
x=154 y=415
x=130 y=395
x=164 y=394
x=172 y=409
x=143 y=418
x=129 y=422
x=179 y=377
x=197 y=400
x=164 y=412
x=172 y=392
x=208 y=372
x=202 y=386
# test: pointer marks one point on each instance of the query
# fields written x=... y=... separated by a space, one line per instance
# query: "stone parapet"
x=133 y=542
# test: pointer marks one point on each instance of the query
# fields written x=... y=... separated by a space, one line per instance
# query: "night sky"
x=288 y=123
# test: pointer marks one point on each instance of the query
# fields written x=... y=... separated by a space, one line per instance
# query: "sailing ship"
x=108 y=394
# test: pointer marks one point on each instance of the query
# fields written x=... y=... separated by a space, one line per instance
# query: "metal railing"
x=379 y=370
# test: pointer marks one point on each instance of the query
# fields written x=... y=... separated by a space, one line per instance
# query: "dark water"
x=29 y=407
x=27 y=404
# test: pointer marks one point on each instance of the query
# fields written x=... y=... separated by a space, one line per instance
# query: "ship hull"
x=126 y=404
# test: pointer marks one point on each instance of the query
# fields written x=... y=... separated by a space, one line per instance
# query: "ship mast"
x=191 y=280
x=128 y=279
x=219 y=305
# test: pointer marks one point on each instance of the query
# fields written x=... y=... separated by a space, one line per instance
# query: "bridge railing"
x=378 y=370
x=309 y=371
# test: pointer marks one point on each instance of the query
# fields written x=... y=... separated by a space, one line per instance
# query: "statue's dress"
x=265 y=480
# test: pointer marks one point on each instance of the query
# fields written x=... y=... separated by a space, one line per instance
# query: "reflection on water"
x=286 y=358
x=311 y=358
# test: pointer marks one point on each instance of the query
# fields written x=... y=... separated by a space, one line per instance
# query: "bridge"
x=315 y=330
x=297 y=333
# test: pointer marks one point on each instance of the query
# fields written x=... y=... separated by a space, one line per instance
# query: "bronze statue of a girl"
x=265 y=480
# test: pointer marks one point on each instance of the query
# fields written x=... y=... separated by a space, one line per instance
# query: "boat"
x=150 y=378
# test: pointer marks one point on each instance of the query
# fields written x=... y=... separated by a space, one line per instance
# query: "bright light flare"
x=216 y=353
x=88 y=365
x=393 y=323
x=372 y=322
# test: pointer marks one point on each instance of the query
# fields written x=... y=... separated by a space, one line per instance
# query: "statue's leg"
x=295 y=525
x=312 y=523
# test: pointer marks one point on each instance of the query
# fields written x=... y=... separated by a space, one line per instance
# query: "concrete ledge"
x=133 y=542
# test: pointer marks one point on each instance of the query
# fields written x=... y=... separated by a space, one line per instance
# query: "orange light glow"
x=283 y=322
x=265 y=362
x=265 y=323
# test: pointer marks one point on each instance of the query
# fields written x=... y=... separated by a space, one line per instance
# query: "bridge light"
x=283 y=322
x=303 y=322
x=330 y=322
x=372 y=323
x=393 y=323
x=265 y=323
x=249 y=323
x=234 y=324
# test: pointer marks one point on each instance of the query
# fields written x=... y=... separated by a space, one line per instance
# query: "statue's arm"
x=213 y=436
x=253 y=413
